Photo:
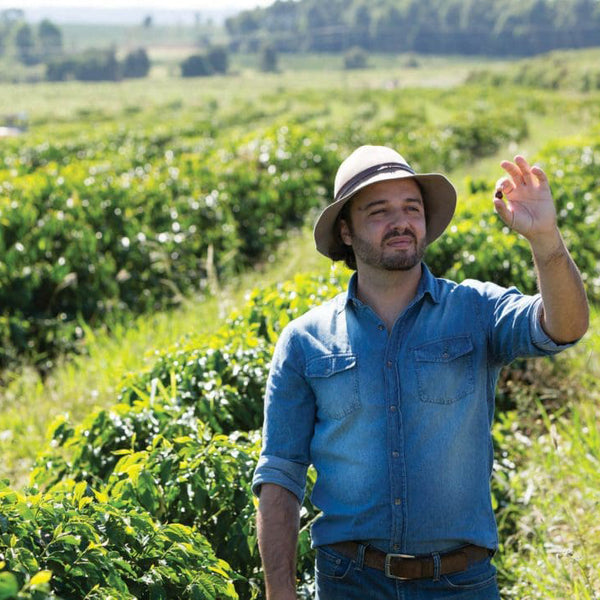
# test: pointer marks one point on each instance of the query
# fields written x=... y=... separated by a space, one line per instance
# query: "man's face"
x=387 y=225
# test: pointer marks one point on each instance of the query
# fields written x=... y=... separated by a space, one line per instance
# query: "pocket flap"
x=444 y=350
x=325 y=366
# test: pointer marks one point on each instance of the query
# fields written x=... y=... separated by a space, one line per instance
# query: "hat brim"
x=439 y=199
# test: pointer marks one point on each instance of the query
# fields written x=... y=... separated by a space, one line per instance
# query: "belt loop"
x=360 y=556
x=437 y=566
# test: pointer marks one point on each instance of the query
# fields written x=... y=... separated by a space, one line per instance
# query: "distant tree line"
x=29 y=44
x=98 y=65
x=482 y=27
x=42 y=44
x=212 y=61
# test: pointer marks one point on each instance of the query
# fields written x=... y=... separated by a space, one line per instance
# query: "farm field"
x=136 y=218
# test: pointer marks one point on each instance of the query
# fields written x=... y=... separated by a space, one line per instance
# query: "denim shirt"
x=397 y=425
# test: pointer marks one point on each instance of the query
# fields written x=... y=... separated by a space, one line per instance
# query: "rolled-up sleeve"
x=288 y=421
x=539 y=337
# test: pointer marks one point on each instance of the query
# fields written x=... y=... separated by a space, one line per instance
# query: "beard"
x=389 y=259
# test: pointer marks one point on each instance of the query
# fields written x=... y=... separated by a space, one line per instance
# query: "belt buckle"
x=388 y=559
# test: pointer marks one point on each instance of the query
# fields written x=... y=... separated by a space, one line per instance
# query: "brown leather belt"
x=404 y=566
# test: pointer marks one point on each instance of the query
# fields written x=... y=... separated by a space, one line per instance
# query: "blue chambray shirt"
x=396 y=425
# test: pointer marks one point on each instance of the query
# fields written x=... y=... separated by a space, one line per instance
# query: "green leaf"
x=177 y=533
x=148 y=491
x=69 y=539
x=40 y=578
x=79 y=491
x=9 y=587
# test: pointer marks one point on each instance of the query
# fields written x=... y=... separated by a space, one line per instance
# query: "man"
x=388 y=389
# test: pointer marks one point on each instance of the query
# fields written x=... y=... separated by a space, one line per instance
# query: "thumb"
x=503 y=212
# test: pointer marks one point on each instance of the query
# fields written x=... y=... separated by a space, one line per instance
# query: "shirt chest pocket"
x=334 y=380
x=444 y=369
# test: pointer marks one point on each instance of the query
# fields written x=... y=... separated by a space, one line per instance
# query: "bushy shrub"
x=91 y=65
x=78 y=243
x=153 y=454
x=196 y=65
x=75 y=542
x=268 y=59
x=218 y=58
x=136 y=64
x=215 y=60
x=355 y=58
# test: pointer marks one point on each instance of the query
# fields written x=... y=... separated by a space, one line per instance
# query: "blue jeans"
x=341 y=578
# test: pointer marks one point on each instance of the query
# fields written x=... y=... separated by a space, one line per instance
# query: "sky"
x=128 y=11
x=193 y=5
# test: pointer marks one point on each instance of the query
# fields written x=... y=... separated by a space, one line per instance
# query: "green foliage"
x=220 y=379
x=218 y=58
x=50 y=37
x=75 y=542
x=136 y=64
x=25 y=44
x=28 y=44
x=155 y=454
x=512 y=28
x=546 y=484
x=147 y=498
x=574 y=70
x=91 y=65
x=97 y=65
x=268 y=59
x=79 y=242
x=355 y=58
x=212 y=61
x=268 y=310
x=196 y=65
x=95 y=227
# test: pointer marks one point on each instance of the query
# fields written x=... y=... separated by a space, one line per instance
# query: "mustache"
x=397 y=233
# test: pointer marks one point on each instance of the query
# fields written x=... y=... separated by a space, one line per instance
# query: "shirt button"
x=395 y=454
x=389 y=363
x=445 y=355
x=397 y=501
x=393 y=408
x=396 y=547
x=381 y=327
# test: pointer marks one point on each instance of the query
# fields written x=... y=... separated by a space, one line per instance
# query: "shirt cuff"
x=539 y=337
x=280 y=471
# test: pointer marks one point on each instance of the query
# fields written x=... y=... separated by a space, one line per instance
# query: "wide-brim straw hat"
x=371 y=164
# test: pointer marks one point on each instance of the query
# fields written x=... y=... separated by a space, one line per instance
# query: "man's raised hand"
x=529 y=208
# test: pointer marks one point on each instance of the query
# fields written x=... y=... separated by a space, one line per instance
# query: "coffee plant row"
x=151 y=497
x=98 y=225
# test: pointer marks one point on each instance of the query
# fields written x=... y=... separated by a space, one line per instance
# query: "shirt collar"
x=428 y=284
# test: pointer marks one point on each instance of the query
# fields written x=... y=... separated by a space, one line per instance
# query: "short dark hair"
x=343 y=251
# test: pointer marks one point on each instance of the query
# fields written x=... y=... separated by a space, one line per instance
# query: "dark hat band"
x=367 y=173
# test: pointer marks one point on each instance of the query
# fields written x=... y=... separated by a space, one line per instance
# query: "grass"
x=55 y=101
x=552 y=549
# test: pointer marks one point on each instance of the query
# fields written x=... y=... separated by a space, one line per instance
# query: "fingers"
x=522 y=173
x=514 y=171
x=504 y=185
x=541 y=176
